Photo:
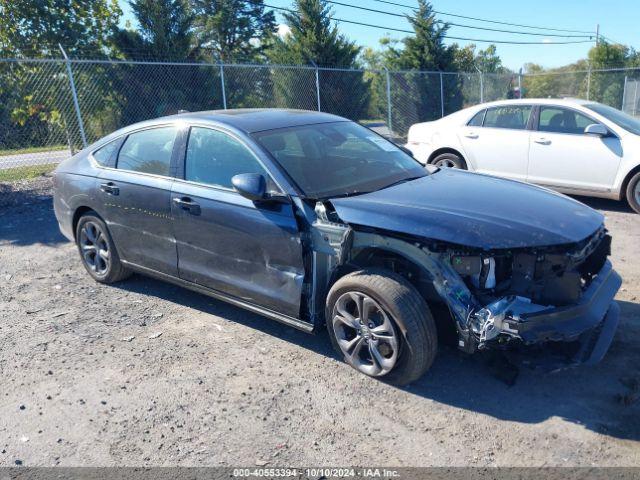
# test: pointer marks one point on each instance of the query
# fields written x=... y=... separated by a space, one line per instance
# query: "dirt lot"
x=145 y=373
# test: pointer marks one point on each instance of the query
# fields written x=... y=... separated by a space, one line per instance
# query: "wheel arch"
x=79 y=212
x=375 y=256
x=627 y=179
x=442 y=150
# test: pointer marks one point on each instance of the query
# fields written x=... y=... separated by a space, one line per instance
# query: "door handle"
x=185 y=203
x=110 y=188
x=542 y=141
x=471 y=135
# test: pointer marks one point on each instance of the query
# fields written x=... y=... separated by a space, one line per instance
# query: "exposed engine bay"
x=498 y=297
x=514 y=283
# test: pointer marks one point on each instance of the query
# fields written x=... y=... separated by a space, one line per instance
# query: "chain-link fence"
x=50 y=108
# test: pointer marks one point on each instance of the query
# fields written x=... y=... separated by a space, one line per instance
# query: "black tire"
x=450 y=160
x=110 y=270
x=408 y=312
x=633 y=192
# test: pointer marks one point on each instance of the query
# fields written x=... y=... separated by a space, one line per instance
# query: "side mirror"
x=250 y=185
x=596 y=129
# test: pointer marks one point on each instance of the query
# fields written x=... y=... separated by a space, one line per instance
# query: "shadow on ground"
x=30 y=222
x=584 y=395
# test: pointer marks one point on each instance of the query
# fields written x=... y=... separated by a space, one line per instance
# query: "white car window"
x=562 y=120
x=477 y=119
x=514 y=117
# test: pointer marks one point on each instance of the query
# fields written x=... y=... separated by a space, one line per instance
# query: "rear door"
x=136 y=199
x=498 y=143
x=249 y=250
x=564 y=157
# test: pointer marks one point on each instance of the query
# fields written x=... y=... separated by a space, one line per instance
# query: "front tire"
x=97 y=250
x=381 y=326
x=633 y=192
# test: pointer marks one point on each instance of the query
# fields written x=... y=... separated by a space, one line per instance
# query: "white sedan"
x=573 y=146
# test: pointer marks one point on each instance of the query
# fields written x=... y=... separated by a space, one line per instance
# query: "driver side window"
x=562 y=120
x=214 y=158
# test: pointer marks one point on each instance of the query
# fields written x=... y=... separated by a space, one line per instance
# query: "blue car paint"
x=473 y=210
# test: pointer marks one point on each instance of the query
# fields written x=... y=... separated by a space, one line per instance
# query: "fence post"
x=441 y=96
x=224 y=94
x=317 y=84
x=481 y=84
x=624 y=93
x=75 y=96
x=386 y=70
x=589 y=82
x=520 y=83
x=635 y=98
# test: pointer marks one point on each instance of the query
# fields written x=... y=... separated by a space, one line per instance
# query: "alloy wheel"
x=94 y=248
x=636 y=193
x=365 y=334
x=445 y=163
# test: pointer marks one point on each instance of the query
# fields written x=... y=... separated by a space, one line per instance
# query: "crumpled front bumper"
x=591 y=323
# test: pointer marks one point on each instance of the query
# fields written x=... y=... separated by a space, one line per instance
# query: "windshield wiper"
x=404 y=180
x=351 y=194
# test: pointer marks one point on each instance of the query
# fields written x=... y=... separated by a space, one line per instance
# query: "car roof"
x=252 y=120
x=540 y=101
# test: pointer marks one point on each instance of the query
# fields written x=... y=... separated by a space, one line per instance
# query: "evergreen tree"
x=144 y=91
x=165 y=31
x=236 y=30
x=315 y=39
x=418 y=94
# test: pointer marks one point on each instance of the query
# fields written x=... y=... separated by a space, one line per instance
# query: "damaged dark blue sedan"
x=313 y=220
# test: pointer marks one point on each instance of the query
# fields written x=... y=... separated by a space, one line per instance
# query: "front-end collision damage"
x=525 y=296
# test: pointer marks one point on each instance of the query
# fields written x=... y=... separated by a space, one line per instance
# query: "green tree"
x=314 y=38
x=35 y=100
x=236 y=30
x=608 y=87
x=35 y=28
x=416 y=96
x=142 y=91
x=165 y=31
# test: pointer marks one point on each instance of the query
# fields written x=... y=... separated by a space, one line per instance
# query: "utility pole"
x=597 y=34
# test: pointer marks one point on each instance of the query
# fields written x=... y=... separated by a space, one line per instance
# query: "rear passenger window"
x=213 y=158
x=514 y=117
x=148 y=151
x=106 y=155
x=477 y=119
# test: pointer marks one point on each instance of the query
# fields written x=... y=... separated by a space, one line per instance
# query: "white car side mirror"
x=596 y=129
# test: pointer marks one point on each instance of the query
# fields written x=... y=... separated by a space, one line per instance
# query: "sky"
x=618 y=19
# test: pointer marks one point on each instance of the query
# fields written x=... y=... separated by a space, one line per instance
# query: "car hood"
x=473 y=210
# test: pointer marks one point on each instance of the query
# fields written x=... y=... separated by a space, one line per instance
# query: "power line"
x=463 y=25
x=485 y=19
x=340 y=20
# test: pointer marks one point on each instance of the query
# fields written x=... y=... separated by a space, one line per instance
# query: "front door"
x=500 y=146
x=562 y=156
x=248 y=250
x=136 y=199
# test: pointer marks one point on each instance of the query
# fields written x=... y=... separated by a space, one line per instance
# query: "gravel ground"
x=145 y=373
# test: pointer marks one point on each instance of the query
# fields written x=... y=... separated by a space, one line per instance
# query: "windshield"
x=618 y=117
x=338 y=158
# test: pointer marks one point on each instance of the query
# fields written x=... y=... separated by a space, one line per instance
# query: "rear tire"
x=97 y=250
x=449 y=160
x=633 y=192
x=381 y=325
